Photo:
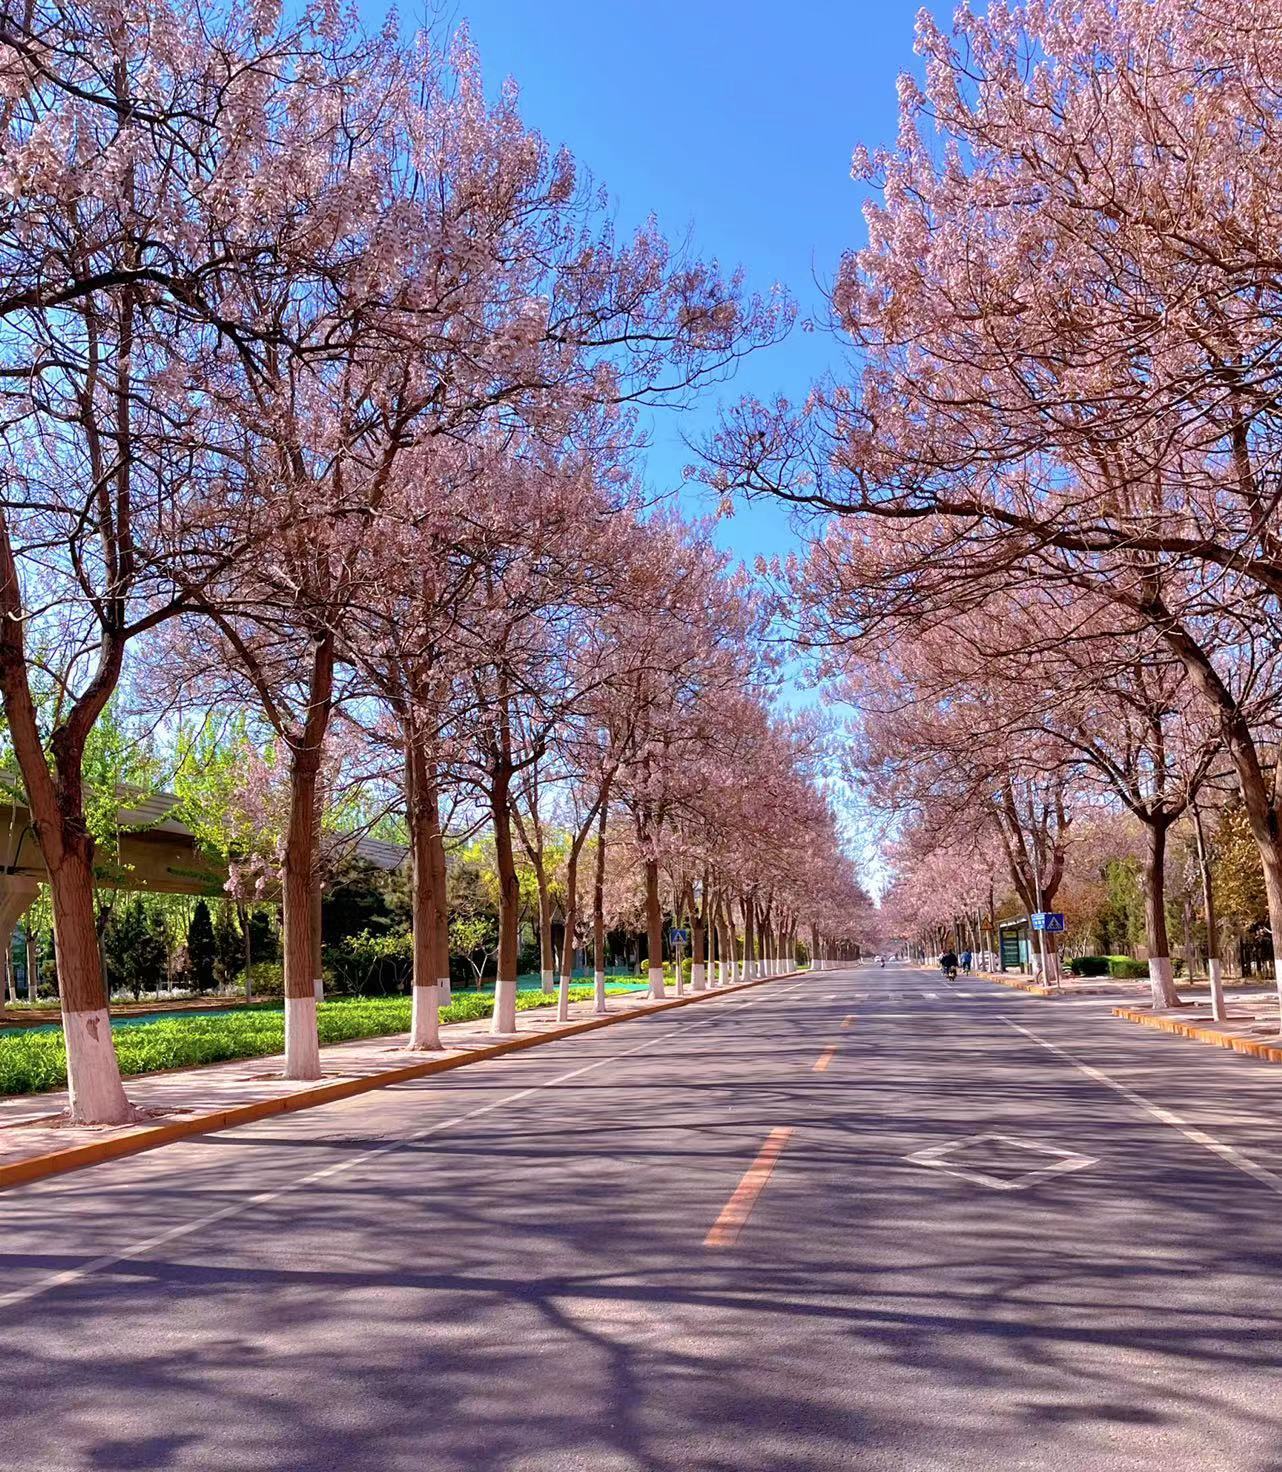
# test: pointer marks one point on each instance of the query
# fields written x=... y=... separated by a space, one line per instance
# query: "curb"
x=96 y=1152
x=1039 y=989
x=1033 y=988
x=1268 y=1051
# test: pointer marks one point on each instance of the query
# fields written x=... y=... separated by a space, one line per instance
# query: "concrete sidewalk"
x=37 y=1141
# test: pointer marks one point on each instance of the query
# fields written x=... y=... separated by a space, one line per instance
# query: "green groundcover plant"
x=33 y=1062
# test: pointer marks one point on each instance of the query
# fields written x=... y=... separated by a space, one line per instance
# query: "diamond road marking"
x=936 y=1158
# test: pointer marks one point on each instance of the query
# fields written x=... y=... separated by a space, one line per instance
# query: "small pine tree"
x=135 y=946
x=202 y=948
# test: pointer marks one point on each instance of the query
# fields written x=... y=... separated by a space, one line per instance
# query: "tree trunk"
x=97 y=1095
x=318 y=913
x=1238 y=737
x=302 y=1045
x=242 y=918
x=425 y=1033
x=567 y=935
x=1155 y=933
x=1214 y=976
x=726 y=965
x=598 y=912
x=440 y=888
x=654 y=928
x=33 y=965
x=547 y=957
x=301 y=871
x=749 y=968
x=504 y=1019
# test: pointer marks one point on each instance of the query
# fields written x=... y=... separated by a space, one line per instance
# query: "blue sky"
x=735 y=121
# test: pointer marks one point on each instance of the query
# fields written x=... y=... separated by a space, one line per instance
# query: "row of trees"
x=320 y=376
x=1051 y=568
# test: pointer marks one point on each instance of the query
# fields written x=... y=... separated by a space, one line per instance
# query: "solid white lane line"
x=1244 y=1163
x=262 y=1198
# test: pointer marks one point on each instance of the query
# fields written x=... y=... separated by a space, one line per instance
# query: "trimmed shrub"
x=1089 y=966
x=1127 y=967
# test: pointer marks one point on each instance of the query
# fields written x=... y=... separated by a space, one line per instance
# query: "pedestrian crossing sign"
x=1047 y=920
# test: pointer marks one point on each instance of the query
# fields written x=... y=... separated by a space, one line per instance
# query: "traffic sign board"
x=1047 y=920
x=679 y=937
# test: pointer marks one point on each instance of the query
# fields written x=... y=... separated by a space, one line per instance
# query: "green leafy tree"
x=476 y=939
x=209 y=784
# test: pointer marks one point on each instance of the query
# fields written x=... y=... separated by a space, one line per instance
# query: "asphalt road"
x=987 y=1232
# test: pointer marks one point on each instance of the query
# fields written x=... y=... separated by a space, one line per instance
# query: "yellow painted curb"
x=151 y=1137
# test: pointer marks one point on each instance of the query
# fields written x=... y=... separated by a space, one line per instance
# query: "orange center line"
x=738 y=1209
x=821 y=1063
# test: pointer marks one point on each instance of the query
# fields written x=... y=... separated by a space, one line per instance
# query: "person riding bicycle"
x=965 y=962
x=948 y=965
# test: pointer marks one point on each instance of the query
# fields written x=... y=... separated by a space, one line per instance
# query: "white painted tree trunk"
x=657 y=991
x=697 y=976
x=302 y=1046
x=548 y=980
x=598 y=986
x=425 y=1021
x=444 y=992
x=563 y=999
x=95 y=1090
x=1215 y=976
x=504 y=1018
x=1161 y=980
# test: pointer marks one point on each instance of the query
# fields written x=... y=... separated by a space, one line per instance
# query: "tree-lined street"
x=621 y=733
x=506 y=1268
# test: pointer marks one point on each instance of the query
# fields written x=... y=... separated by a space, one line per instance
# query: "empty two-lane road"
x=864 y=1220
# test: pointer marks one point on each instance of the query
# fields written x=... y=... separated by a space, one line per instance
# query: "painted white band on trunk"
x=425 y=1029
x=1159 y=974
x=1214 y=976
x=504 y=1017
x=302 y=1046
x=93 y=1074
x=697 y=976
x=656 y=981
x=443 y=991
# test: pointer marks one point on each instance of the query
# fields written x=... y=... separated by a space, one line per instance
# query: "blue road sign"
x=1047 y=920
x=679 y=937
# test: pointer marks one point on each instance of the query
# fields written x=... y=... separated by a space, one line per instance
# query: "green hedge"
x=1127 y=967
x=1089 y=966
x=33 y=1062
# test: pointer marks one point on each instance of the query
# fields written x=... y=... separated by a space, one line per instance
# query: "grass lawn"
x=34 y=1061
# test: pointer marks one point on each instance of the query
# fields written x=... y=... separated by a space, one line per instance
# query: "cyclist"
x=965 y=962
x=948 y=965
